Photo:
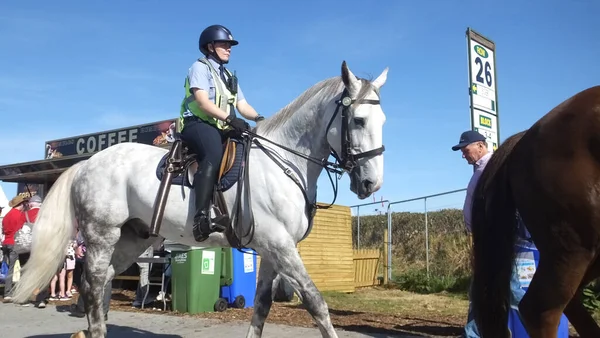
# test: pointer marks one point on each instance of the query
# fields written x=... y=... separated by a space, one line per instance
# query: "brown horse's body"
x=550 y=173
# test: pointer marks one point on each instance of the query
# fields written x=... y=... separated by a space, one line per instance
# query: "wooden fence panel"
x=366 y=266
x=327 y=251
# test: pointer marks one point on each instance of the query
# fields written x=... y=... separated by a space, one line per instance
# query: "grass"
x=398 y=302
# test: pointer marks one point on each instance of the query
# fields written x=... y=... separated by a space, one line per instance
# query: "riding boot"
x=204 y=185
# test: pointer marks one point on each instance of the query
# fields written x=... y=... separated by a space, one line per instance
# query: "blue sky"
x=73 y=67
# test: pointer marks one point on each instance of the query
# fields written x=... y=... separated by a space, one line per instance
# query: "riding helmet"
x=212 y=34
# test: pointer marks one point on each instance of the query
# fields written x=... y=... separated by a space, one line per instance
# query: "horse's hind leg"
x=290 y=267
x=98 y=272
x=554 y=284
x=262 y=300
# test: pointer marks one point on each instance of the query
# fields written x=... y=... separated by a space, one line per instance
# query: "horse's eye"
x=359 y=121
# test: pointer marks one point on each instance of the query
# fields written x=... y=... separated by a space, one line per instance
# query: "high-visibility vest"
x=224 y=99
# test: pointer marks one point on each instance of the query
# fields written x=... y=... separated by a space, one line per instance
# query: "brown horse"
x=550 y=173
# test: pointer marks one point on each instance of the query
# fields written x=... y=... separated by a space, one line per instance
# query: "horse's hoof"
x=80 y=334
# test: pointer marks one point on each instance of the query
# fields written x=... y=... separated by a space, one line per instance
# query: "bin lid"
x=170 y=245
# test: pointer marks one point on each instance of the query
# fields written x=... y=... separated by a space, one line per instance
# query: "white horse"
x=111 y=195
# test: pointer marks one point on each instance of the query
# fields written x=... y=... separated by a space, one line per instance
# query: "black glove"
x=259 y=118
x=238 y=124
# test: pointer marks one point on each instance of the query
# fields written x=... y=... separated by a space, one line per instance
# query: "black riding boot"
x=204 y=185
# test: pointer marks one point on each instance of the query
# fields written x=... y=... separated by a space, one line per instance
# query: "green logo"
x=485 y=121
x=480 y=51
x=205 y=264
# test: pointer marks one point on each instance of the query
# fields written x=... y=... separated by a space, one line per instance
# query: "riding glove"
x=238 y=124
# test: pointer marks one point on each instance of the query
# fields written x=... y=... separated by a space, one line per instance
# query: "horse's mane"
x=329 y=87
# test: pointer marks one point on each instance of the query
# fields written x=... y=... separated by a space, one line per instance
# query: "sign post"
x=482 y=87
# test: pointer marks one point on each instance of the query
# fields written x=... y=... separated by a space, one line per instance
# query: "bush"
x=591 y=297
x=417 y=281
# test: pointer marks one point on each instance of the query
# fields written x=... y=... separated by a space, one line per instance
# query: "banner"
x=156 y=133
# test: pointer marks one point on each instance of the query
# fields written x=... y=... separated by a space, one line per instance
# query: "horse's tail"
x=52 y=231
x=494 y=234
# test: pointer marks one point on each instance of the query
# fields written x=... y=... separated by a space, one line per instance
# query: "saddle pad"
x=231 y=176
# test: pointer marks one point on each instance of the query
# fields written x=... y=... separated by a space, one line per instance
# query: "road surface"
x=55 y=322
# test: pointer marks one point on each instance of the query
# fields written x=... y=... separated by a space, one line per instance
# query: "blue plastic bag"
x=3 y=271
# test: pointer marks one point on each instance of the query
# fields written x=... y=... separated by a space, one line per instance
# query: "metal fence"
x=413 y=243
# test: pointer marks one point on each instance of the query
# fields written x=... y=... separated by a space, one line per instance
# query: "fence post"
x=385 y=257
x=426 y=239
x=389 y=242
x=358 y=227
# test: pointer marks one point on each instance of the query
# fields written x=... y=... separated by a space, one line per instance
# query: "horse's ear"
x=379 y=81
x=350 y=81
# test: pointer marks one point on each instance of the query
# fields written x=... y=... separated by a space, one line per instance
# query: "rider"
x=208 y=114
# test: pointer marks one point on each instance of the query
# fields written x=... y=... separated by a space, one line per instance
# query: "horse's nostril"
x=368 y=185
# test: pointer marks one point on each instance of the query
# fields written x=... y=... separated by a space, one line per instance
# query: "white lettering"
x=101 y=141
x=122 y=136
x=91 y=144
x=79 y=148
x=132 y=135
x=111 y=139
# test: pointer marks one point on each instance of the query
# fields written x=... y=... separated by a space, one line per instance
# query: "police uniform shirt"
x=201 y=78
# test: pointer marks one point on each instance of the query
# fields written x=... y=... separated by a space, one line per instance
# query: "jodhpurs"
x=205 y=140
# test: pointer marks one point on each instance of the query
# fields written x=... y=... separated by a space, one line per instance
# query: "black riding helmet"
x=212 y=34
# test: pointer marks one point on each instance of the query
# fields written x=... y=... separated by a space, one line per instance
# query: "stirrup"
x=219 y=223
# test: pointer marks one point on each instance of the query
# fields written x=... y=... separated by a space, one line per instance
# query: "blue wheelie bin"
x=239 y=290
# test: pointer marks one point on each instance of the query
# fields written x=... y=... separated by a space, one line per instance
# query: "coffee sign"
x=156 y=133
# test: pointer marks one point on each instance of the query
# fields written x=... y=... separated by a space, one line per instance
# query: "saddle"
x=181 y=162
x=179 y=165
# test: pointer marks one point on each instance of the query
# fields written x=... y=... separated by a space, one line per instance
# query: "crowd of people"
x=24 y=211
x=67 y=280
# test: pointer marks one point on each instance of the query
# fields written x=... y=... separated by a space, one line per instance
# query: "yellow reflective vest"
x=224 y=99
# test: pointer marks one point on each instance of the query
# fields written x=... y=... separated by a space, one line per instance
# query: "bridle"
x=348 y=161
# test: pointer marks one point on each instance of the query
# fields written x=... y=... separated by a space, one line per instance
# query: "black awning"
x=41 y=171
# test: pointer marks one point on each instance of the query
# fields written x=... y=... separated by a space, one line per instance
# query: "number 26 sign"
x=482 y=65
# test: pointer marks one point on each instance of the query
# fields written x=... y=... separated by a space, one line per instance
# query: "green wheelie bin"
x=196 y=280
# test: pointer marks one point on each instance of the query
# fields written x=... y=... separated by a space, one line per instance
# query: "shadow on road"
x=422 y=328
x=115 y=331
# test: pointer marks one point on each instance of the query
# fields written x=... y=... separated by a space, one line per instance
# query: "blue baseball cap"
x=467 y=138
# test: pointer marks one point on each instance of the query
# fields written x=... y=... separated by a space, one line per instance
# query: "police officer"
x=208 y=114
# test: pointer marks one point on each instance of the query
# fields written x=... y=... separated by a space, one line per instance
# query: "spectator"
x=11 y=223
x=70 y=267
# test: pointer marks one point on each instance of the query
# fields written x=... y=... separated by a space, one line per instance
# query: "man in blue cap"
x=474 y=149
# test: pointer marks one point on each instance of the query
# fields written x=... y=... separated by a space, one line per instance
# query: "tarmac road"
x=19 y=322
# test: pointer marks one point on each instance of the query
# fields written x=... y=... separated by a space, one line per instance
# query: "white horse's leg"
x=98 y=272
x=262 y=300
x=290 y=267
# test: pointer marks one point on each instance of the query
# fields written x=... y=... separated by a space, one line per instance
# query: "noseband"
x=347 y=160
